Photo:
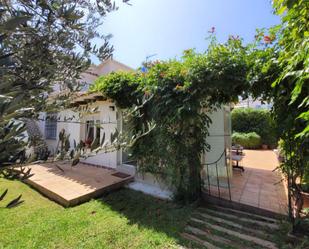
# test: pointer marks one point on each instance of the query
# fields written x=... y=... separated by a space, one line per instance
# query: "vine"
x=180 y=96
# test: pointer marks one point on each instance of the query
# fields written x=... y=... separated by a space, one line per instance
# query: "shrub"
x=249 y=140
x=245 y=120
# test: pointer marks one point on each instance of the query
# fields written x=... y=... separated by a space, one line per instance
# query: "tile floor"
x=258 y=185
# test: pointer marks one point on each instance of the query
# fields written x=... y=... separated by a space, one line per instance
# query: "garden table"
x=237 y=156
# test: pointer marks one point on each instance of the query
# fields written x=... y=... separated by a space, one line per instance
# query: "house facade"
x=84 y=126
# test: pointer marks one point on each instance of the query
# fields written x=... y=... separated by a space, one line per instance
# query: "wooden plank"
x=73 y=186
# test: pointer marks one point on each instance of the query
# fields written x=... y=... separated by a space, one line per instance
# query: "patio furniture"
x=237 y=156
x=237 y=149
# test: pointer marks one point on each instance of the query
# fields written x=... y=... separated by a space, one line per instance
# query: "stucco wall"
x=108 y=118
x=219 y=140
x=102 y=69
x=76 y=127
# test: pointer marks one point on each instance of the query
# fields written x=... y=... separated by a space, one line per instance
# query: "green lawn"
x=122 y=219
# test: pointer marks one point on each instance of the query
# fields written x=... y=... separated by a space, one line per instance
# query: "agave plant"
x=14 y=203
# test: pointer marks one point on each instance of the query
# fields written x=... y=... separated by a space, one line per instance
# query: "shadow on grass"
x=149 y=212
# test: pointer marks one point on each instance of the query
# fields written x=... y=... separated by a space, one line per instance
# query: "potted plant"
x=305 y=194
x=264 y=146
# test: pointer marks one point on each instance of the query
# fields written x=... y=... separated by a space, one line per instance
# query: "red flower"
x=267 y=39
x=212 y=30
x=147 y=93
x=88 y=141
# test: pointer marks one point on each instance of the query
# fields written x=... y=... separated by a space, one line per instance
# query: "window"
x=51 y=126
x=92 y=131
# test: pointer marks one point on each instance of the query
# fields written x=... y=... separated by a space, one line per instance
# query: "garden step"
x=233 y=224
x=197 y=240
x=226 y=242
x=258 y=241
x=239 y=212
x=234 y=217
x=215 y=238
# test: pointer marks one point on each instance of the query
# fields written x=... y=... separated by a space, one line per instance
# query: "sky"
x=167 y=27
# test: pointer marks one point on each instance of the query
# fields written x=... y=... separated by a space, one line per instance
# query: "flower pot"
x=264 y=146
x=305 y=196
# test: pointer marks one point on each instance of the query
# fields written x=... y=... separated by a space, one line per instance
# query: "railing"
x=215 y=164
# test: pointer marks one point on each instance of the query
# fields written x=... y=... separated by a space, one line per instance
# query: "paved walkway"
x=258 y=186
x=71 y=186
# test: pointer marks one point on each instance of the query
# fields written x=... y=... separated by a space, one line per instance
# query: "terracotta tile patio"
x=258 y=186
x=74 y=185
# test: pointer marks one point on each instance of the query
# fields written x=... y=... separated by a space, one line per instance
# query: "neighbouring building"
x=253 y=103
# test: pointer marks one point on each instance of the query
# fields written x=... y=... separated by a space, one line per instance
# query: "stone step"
x=212 y=237
x=258 y=241
x=233 y=224
x=216 y=238
x=198 y=241
x=234 y=217
x=255 y=216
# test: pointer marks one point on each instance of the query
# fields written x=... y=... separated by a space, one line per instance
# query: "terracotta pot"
x=306 y=199
x=264 y=146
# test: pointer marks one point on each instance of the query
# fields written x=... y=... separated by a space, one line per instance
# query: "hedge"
x=246 y=120
x=249 y=140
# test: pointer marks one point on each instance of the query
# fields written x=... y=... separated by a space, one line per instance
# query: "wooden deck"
x=75 y=185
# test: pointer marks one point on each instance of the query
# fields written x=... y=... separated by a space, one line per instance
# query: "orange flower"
x=178 y=87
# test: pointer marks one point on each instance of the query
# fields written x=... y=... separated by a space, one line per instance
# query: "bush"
x=249 y=140
x=246 y=120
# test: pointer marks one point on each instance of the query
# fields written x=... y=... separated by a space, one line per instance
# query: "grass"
x=122 y=219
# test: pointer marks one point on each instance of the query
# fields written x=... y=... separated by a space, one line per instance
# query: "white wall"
x=220 y=140
x=108 y=119
x=104 y=68
x=105 y=114
x=75 y=126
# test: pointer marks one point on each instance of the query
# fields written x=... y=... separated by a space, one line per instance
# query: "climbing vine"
x=178 y=96
x=278 y=72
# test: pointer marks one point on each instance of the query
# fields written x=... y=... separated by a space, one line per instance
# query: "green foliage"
x=247 y=120
x=249 y=140
x=120 y=86
x=13 y=203
x=293 y=57
x=287 y=71
x=175 y=95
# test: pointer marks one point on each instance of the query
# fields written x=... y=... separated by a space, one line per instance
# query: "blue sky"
x=167 y=27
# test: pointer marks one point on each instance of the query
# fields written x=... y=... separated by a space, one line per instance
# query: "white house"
x=83 y=127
